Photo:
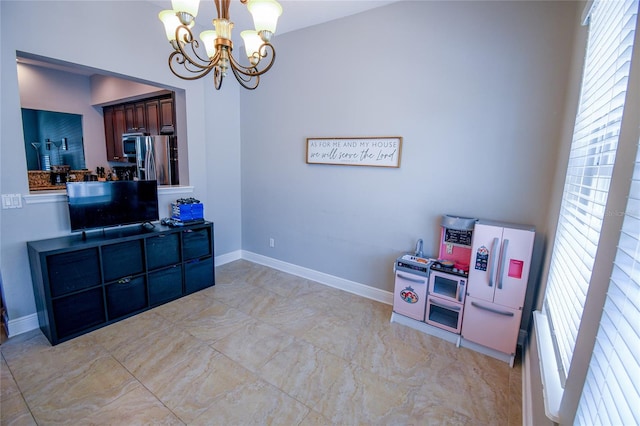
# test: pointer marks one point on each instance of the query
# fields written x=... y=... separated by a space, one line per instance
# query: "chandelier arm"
x=244 y=79
x=253 y=70
x=188 y=39
x=243 y=76
x=245 y=73
x=176 y=58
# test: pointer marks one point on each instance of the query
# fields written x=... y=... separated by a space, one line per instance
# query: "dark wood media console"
x=84 y=284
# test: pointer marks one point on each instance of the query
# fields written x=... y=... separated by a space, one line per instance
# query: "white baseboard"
x=30 y=322
x=22 y=325
x=228 y=257
x=326 y=279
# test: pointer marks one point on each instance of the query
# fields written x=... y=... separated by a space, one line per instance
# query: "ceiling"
x=296 y=14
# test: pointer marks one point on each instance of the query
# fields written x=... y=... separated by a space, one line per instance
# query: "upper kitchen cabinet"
x=167 y=116
x=114 y=127
x=135 y=117
x=160 y=115
x=152 y=111
x=153 y=116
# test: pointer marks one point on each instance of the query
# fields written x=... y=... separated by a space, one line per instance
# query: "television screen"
x=105 y=204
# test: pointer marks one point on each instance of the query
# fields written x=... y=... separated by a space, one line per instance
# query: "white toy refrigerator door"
x=485 y=254
x=410 y=295
x=513 y=268
x=491 y=325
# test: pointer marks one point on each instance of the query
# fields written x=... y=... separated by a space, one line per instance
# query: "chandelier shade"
x=194 y=58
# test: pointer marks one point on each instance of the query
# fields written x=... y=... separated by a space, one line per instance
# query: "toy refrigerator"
x=498 y=278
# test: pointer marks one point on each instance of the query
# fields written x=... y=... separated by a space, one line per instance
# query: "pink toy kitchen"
x=472 y=293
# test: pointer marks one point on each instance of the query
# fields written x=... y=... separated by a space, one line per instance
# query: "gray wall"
x=477 y=91
x=34 y=27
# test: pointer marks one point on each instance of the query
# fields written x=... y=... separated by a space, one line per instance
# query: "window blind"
x=611 y=393
x=590 y=166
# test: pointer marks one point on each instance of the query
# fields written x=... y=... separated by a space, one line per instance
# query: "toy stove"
x=414 y=265
x=411 y=282
x=447 y=284
x=460 y=270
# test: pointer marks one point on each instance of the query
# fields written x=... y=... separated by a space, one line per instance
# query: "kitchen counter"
x=40 y=180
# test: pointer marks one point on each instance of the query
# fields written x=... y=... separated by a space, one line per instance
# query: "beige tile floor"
x=261 y=347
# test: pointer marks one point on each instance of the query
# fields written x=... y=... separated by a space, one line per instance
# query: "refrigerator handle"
x=140 y=152
x=150 y=160
x=503 y=260
x=492 y=268
x=493 y=310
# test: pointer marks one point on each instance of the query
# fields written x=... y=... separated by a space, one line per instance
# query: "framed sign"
x=377 y=151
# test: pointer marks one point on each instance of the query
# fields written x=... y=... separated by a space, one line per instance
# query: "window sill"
x=551 y=387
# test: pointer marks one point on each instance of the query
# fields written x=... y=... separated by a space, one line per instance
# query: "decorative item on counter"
x=124 y=172
x=46 y=163
x=36 y=146
x=187 y=210
x=59 y=174
x=100 y=173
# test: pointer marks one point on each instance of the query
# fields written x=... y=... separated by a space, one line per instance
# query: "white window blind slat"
x=611 y=393
x=590 y=166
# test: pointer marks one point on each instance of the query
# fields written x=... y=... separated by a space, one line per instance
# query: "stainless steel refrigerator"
x=157 y=159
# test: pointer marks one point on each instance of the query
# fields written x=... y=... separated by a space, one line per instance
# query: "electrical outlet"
x=272 y=242
x=449 y=248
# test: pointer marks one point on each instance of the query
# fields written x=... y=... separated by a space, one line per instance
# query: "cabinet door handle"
x=493 y=310
x=413 y=280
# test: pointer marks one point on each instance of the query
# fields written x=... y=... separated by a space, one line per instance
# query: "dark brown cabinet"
x=135 y=120
x=81 y=285
x=153 y=116
x=152 y=111
x=114 y=127
x=167 y=115
x=109 y=134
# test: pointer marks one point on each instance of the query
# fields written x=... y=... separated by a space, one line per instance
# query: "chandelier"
x=188 y=63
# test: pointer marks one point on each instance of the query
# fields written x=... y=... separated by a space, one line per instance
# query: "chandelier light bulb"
x=265 y=14
x=252 y=43
x=187 y=10
x=209 y=40
x=171 y=22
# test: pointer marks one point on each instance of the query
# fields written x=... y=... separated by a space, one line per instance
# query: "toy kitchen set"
x=473 y=293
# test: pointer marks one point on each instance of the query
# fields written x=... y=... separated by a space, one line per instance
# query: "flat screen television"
x=105 y=204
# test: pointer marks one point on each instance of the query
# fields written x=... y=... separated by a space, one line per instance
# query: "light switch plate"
x=6 y=201
x=11 y=201
x=16 y=201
